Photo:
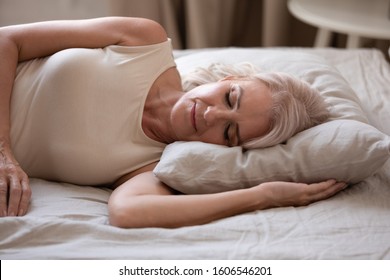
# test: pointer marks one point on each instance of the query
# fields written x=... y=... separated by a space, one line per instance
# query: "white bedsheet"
x=70 y=222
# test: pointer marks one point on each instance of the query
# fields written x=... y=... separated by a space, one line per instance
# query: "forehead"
x=254 y=85
x=255 y=108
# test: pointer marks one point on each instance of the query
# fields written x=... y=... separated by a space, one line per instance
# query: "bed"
x=70 y=222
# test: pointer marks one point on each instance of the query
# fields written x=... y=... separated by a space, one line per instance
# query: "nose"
x=213 y=115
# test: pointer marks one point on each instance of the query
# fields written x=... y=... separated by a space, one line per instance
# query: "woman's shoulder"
x=148 y=32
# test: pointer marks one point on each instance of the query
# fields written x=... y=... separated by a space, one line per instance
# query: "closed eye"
x=227 y=99
x=226 y=134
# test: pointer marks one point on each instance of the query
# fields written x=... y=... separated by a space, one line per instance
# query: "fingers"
x=19 y=196
x=15 y=192
x=15 y=195
x=334 y=187
x=26 y=196
x=325 y=189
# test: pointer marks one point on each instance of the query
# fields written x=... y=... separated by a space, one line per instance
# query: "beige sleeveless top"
x=76 y=116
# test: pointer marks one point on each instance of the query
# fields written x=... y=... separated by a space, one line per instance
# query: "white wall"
x=24 y=11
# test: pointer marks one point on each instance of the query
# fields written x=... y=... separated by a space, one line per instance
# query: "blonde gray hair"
x=296 y=105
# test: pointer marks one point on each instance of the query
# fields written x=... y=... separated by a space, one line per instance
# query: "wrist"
x=5 y=142
x=260 y=196
x=6 y=154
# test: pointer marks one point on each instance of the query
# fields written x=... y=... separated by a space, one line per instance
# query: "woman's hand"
x=279 y=194
x=15 y=192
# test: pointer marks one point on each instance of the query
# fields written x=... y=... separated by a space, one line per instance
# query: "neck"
x=157 y=114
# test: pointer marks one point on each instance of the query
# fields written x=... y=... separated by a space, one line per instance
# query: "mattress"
x=71 y=222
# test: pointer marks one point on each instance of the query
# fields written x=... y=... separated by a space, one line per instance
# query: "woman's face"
x=229 y=112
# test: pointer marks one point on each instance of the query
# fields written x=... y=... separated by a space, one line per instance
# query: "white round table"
x=356 y=18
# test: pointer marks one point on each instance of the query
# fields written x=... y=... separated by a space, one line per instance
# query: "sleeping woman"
x=94 y=102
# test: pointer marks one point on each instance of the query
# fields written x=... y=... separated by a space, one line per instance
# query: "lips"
x=193 y=120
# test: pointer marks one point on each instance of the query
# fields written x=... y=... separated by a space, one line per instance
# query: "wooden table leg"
x=353 y=42
x=323 y=37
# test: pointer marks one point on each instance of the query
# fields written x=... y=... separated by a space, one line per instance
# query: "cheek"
x=256 y=128
x=212 y=136
x=180 y=120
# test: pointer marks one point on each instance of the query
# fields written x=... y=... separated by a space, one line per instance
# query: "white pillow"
x=345 y=150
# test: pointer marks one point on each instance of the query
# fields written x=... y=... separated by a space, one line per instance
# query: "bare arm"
x=45 y=38
x=144 y=201
x=24 y=42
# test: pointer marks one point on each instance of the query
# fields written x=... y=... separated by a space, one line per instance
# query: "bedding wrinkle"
x=90 y=199
x=252 y=233
x=383 y=176
x=12 y=236
x=372 y=90
x=370 y=96
x=290 y=236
